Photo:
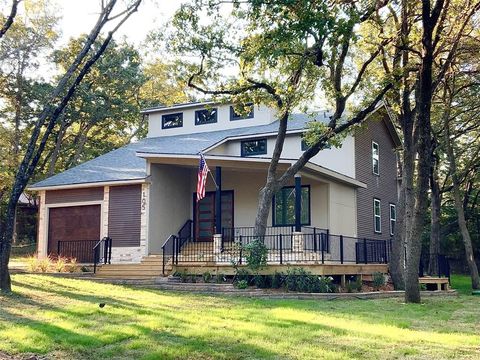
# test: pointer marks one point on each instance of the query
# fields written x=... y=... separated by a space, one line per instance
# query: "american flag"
x=202 y=178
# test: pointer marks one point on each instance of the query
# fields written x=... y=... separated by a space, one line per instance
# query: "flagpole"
x=216 y=185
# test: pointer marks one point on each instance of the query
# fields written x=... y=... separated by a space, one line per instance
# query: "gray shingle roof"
x=123 y=164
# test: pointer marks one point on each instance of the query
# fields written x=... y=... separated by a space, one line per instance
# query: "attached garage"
x=74 y=230
x=74 y=220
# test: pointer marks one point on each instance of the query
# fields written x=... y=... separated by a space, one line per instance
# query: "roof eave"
x=89 y=184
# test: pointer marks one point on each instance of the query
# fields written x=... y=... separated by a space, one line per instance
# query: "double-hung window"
x=254 y=147
x=377 y=216
x=375 y=158
x=284 y=206
x=393 y=218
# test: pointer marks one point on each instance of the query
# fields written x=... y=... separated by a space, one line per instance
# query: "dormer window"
x=236 y=116
x=206 y=116
x=254 y=147
x=172 y=121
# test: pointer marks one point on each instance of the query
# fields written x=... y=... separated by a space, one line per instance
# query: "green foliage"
x=277 y=280
x=220 y=278
x=207 y=277
x=262 y=281
x=256 y=255
x=298 y=279
x=242 y=275
x=183 y=275
x=354 y=284
x=378 y=280
x=242 y=284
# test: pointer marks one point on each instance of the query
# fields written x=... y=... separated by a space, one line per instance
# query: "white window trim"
x=375 y=216
x=375 y=157
x=392 y=218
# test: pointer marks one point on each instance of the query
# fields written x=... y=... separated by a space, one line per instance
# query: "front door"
x=205 y=214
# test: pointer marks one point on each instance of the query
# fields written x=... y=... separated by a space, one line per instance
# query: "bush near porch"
x=61 y=318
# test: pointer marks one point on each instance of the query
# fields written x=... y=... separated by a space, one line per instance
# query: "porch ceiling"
x=310 y=170
x=232 y=162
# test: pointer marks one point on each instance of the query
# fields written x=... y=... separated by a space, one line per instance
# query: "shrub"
x=220 y=278
x=256 y=255
x=72 y=265
x=277 y=280
x=301 y=280
x=242 y=284
x=183 y=276
x=32 y=264
x=378 y=280
x=354 y=284
x=207 y=277
x=193 y=278
x=84 y=269
x=44 y=264
x=241 y=275
x=262 y=282
x=60 y=264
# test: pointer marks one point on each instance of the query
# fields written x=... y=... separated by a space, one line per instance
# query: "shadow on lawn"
x=170 y=327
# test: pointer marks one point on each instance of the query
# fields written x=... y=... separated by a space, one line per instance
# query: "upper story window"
x=393 y=218
x=305 y=146
x=206 y=116
x=172 y=121
x=254 y=147
x=284 y=206
x=377 y=216
x=236 y=116
x=375 y=158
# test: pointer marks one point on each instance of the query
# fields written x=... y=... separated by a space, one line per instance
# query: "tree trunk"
x=396 y=265
x=56 y=150
x=462 y=224
x=6 y=234
x=48 y=118
x=434 y=221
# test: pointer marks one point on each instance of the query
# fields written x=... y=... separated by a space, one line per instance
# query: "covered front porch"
x=312 y=220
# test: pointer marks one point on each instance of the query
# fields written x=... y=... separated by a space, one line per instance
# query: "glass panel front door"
x=205 y=215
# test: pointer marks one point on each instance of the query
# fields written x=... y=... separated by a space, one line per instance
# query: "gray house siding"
x=382 y=186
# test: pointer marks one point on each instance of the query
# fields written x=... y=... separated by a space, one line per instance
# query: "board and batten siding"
x=383 y=186
x=124 y=215
x=74 y=195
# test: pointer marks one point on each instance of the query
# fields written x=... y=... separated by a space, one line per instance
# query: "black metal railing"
x=318 y=247
x=102 y=252
x=370 y=251
x=174 y=243
x=81 y=250
x=443 y=265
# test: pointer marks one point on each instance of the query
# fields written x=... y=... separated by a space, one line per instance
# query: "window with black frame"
x=254 y=147
x=284 y=206
x=205 y=116
x=241 y=115
x=172 y=121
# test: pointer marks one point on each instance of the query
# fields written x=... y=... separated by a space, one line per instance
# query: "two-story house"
x=339 y=209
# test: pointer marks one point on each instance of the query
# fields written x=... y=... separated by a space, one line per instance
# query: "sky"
x=80 y=15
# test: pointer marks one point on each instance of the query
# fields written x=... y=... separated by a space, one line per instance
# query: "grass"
x=60 y=318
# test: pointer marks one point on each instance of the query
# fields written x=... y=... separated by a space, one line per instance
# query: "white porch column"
x=105 y=205
x=42 y=235
x=217 y=244
x=298 y=242
x=144 y=213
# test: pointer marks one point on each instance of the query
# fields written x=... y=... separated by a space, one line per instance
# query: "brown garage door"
x=73 y=231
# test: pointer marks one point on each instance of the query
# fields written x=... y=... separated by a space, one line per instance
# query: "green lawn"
x=61 y=319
